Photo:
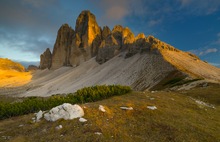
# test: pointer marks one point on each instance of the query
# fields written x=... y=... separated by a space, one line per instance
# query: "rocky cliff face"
x=89 y=32
x=61 y=51
x=72 y=47
x=45 y=59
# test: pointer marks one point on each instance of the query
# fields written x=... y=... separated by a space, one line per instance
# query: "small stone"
x=98 y=133
x=21 y=125
x=82 y=120
x=59 y=127
x=152 y=107
x=126 y=108
x=101 y=108
x=39 y=115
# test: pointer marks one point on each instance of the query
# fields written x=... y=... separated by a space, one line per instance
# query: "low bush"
x=34 y=104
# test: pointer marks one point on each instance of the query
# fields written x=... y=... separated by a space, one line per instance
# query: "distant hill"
x=12 y=74
x=7 y=64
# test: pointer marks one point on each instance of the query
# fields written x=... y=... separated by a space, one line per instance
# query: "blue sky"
x=28 y=27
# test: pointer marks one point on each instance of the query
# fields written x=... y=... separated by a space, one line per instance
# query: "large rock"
x=65 y=111
x=46 y=59
x=61 y=51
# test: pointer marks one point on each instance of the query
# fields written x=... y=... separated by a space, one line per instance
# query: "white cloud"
x=152 y=23
x=200 y=7
x=208 y=51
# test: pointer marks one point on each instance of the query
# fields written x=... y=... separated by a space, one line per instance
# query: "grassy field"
x=177 y=118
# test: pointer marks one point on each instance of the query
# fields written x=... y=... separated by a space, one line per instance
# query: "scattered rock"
x=21 y=125
x=152 y=107
x=101 y=108
x=59 y=127
x=205 y=85
x=39 y=115
x=127 y=108
x=6 y=137
x=152 y=98
x=82 y=120
x=98 y=133
x=65 y=111
x=202 y=104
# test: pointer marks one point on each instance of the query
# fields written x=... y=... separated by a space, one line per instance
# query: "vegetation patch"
x=34 y=104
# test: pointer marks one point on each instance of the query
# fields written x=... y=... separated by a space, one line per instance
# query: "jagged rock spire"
x=46 y=59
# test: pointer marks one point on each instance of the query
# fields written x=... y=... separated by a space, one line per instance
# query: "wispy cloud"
x=216 y=64
x=208 y=51
x=200 y=7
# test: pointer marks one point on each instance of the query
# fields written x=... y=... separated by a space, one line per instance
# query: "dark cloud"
x=23 y=42
x=30 y=26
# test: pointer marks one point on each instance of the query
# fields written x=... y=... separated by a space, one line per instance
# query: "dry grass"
x=12 y=74
x=178 y=118
x=12 y=78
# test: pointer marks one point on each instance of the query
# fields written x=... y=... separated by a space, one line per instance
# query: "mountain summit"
x=105 y=56
x=88 y=40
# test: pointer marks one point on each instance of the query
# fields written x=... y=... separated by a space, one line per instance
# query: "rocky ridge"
x=88 y=40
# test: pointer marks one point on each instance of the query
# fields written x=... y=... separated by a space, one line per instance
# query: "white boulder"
x=66 y=111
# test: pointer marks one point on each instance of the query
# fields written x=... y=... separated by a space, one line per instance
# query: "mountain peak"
x=140 y=36
x=117 y=28
x=73 y=48
x=87 y=27
x=45 y=59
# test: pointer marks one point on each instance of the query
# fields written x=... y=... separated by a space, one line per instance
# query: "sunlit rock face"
x=46 y=59
x=117 y=33
x=61 y=51
x=89 y=32
x=127 y=38
x=106 y=32
x=88 y=40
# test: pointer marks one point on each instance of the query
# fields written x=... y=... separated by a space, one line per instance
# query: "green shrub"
x=87 y=94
